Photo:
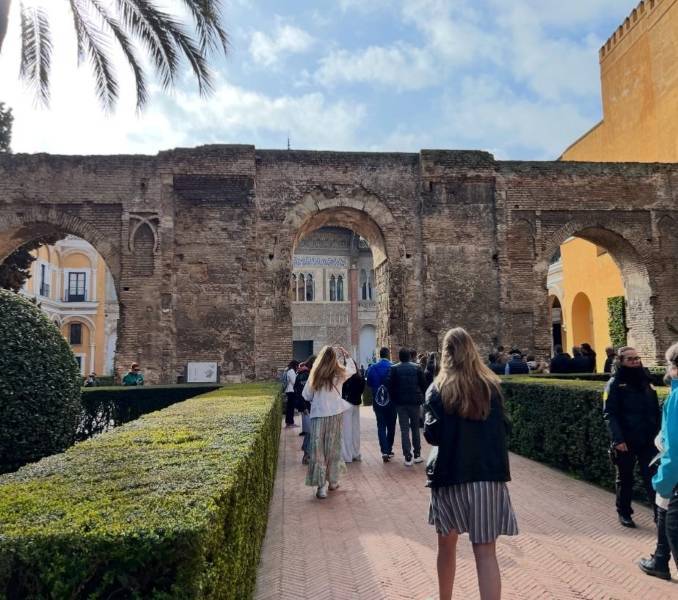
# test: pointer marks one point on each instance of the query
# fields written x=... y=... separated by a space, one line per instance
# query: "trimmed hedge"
x=172 y=505
x=560 y=423
x=107 y=407
x=656 y=374
x=39 y=385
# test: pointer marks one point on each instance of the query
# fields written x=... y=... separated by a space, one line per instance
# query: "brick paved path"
x=370 y=538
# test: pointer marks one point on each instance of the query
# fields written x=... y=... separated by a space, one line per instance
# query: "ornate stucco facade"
x=333 y=294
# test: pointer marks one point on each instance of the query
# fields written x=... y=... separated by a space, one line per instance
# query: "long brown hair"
x=465 y=383
x=325 y=369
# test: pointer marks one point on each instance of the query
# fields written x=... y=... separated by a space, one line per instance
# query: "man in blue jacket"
x=386 y=414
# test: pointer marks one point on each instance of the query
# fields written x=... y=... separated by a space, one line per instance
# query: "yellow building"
x=580 y=283
x=639 y=82
x=75 y=289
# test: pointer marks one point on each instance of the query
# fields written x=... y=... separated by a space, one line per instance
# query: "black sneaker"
x=627 y=521
x=408 y=460
x=650 y=567
x=391 y=454
x=385 y=457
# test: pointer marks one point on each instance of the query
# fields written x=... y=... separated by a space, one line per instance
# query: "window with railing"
x=77 y=288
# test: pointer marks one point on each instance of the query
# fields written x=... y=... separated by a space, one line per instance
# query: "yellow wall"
x=639 y=78
x=61 y=259
x=587 y=271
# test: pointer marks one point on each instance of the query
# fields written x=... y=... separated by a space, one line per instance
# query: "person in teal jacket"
x=665 y=481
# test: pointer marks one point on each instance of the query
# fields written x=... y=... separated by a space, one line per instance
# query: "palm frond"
x=94 y=43
x=207 y=16
x=36 y=50
x=128 y=50
x=195 y=57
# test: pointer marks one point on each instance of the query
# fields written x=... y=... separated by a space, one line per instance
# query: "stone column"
x=353 y=296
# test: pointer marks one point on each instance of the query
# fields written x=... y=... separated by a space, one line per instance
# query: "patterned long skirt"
x=325 y=450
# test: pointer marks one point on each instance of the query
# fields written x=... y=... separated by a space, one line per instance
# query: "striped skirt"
x=480 y=508
x=325 y=462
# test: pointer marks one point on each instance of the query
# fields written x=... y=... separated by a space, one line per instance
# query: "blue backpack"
x=381 y=397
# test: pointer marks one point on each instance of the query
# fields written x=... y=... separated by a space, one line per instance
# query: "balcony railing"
x=44 y=290
x=75 y=297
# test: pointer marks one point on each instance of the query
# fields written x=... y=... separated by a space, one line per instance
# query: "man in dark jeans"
x=633 y=417
x=377 y=374
x=407 y=386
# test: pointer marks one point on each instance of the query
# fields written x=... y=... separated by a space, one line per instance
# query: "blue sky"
x=518 y=78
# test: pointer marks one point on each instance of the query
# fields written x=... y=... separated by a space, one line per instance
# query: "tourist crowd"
x=457 y=399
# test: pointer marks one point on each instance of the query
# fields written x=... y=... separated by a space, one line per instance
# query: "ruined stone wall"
x=200 y=242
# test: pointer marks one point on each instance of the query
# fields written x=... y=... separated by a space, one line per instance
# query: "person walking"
x=352 y=392
x=631 y=410
x=384 y=409
x=406 y=388
x=303 y=372
x=322 y=390
x=469 y=464
x=665 y=481
x=291 y=403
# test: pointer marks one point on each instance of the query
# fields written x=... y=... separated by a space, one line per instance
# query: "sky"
x=518 y=78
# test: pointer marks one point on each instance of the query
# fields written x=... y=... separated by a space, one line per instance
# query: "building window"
x=301 y=287
x=293 y=287
x=370 y=286
x=44 y=281
x=333 y=289
x=78 y=360
x=76 y=287
x=310 y=291
x=340 y=289
x=75 y=334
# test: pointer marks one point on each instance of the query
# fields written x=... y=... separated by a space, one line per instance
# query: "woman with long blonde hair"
x=323 y=391
x=469 y=468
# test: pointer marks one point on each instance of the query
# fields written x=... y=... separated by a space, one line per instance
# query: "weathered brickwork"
x=200 y=242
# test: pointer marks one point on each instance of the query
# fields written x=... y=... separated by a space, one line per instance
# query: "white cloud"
x=268 y=50
x=402 y=66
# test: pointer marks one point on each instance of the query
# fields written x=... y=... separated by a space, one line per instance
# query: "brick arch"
x=632 y=257
x=17 y=229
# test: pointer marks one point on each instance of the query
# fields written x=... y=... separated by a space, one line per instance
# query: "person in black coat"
x=561 y=361
x=516 y=366
x=590 y=355
x=469 y=465
x=609 y=361
x=633 y=417
x=580 y=363
x=406 y=387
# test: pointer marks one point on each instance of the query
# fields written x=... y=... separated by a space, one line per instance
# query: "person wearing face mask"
x=665 y=481
x=632 y=413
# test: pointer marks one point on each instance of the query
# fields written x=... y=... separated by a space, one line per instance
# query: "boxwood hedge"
x=560 y=423
x=106 y=407
x=172 y=505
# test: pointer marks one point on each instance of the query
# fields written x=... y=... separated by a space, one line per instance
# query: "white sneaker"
x=408 y=462
x=333 y=486
x=418 y=459
x=322 y=491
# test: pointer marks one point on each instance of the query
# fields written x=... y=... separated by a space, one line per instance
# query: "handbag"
x=431 y=465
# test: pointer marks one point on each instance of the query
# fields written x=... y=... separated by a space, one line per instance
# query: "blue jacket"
x=377 y=373
x=666 y=478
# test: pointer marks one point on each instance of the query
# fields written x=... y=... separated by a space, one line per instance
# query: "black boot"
x=651 y=566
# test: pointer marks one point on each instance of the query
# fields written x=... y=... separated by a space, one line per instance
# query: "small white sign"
x=201 y=372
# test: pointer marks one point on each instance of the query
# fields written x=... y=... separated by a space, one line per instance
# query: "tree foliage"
x=129 y=25
x=6 y=119
x=16 y=268
x=616 y=314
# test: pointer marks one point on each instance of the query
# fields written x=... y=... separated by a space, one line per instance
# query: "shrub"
x=656 y=375
x=107 y=407
x=560 y=423
x=172 y=505
x=39 y=385
x=616 y=318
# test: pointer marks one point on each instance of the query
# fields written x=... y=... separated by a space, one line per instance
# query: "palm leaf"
x=207 y=16
x=92 y=40
x=36 y=50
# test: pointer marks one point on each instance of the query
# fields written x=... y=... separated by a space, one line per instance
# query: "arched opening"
x=592 y=271
x=343 y=252
x=71 y=282
x=556 y=311
x=582 y=321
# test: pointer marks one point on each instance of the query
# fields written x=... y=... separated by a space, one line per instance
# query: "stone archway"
x=631 y=257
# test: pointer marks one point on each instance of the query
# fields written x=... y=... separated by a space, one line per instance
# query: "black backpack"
x=299 y=384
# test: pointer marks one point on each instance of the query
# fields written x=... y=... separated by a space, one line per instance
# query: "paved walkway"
x=370 y=538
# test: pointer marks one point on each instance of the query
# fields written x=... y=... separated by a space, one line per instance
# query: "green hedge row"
x=107 y=407
x=560 y=423
x=656 y=374
x=172 y=505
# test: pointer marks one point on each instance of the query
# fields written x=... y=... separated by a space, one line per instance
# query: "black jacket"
x=581 y=364
x=352 y=390
x=468 y=450
x=609 y=361
x=406 y=384
x=517 y=366
x=561 y=363
x=632 y=409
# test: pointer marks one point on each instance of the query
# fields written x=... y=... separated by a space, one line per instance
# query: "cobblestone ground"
x=370 y=539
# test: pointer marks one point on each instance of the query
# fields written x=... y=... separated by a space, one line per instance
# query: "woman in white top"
x=290 y=377
x=323 y=391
